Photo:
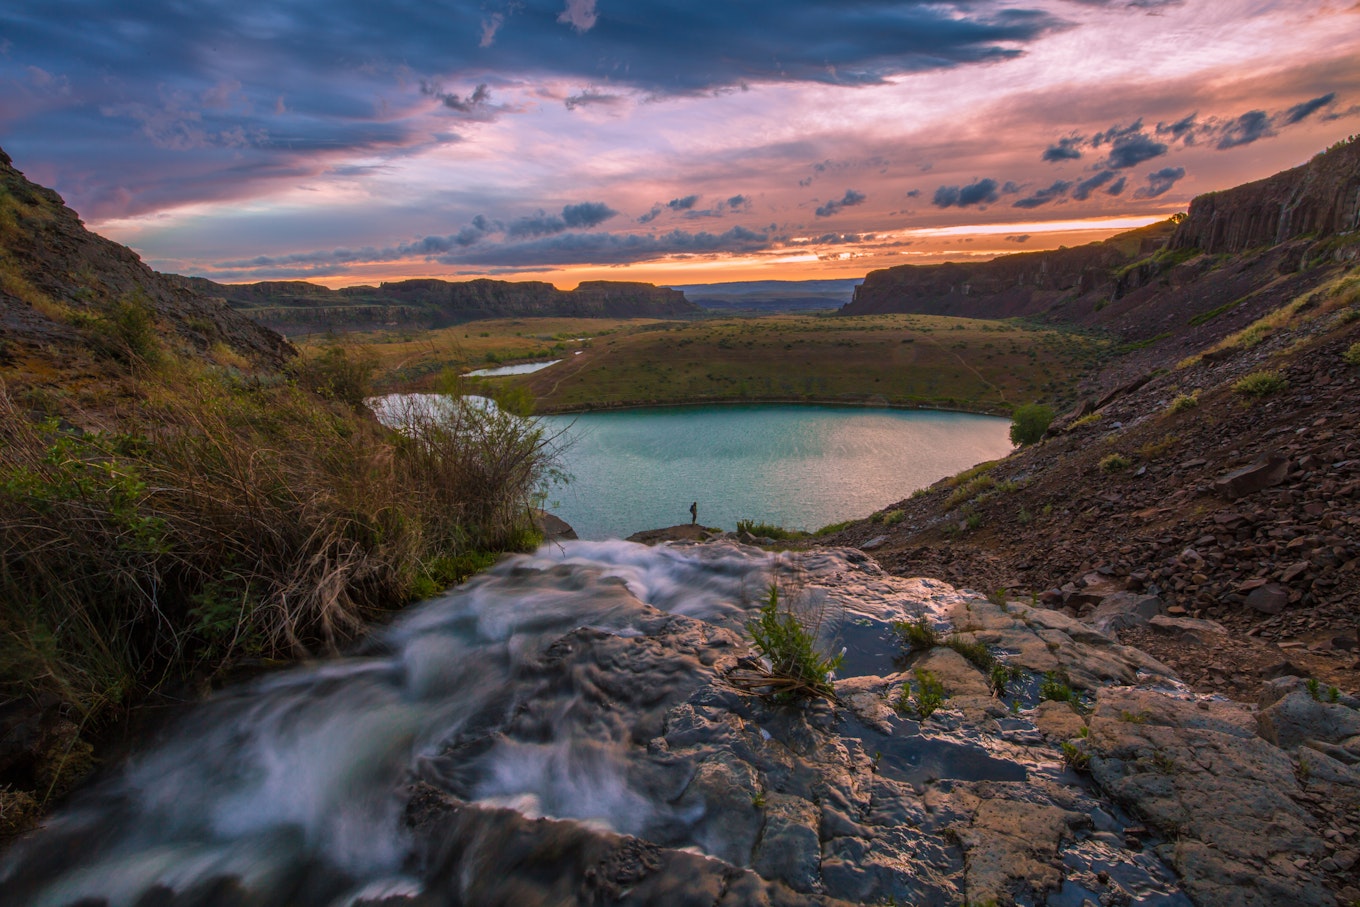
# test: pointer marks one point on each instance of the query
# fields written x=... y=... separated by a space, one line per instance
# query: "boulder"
x=1268 y=599
x=1264 y=473
x=1300 y=718
x=1123 y=610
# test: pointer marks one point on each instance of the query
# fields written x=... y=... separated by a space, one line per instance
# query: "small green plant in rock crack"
x=916 y=634
x=798 y=670
x=1055 y=687
x=1314 y=686
x=976 y=653
x=1075 y=757
x=928 y=695
x=1001 y=676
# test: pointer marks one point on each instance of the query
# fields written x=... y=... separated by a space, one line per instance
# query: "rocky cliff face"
x=1320 y=198
x=53 y=272
x=1029 y=283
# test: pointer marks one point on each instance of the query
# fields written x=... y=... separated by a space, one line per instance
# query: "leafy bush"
x=1261 y=384
x=1352 y=354
x=1029 y=422
x=797 y=668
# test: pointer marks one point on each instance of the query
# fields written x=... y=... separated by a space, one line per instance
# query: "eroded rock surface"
x=577 y=727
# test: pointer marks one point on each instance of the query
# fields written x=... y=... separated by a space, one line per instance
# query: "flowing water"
x=800 y=467
x=583 y=682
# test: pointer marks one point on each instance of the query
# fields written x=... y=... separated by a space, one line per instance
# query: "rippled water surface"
x=800 y=467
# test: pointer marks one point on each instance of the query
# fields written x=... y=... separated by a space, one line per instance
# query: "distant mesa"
x=298 y=306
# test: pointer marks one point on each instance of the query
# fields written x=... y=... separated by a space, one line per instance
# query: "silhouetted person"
x=694 y=513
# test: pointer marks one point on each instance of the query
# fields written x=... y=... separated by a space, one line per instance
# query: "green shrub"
x=1261 y=384
x=916 y=634
x=1352 y=354
x=338 y=373
x=1000 y=677
x=767 y=531
x=1114 y=462
x=224 y=519
x=975 y=652
x=1055 y=687
x=1088 y=419
x=1184 y=402
x=969 y=490
x=1029 y=422
x=797 y=669
x=1074 y=756
x=928 y=696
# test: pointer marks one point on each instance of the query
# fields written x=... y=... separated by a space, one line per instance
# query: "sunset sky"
x=662 y=140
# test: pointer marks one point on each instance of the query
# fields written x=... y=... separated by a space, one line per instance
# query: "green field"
x=904 y=360
x=900 y=360
x=414 y=359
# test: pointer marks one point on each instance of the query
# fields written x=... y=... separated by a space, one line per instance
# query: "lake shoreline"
x=967 y=409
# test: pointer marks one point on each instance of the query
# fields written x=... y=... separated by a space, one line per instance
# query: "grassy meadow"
x=905 y=360
x=901 y=360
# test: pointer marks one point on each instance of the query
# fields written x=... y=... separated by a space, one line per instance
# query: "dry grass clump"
x=218 y=517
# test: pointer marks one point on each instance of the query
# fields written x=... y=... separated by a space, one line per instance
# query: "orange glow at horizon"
x=928 y=246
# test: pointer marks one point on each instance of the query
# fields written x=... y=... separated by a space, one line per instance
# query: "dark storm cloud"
x=477 y=103
x=490 y=244
x=1307 y=108
x=1132 y=150
x=1044 y=196
x=1248 y=128
x=1181 y=130
x=1083 y=189
x=1066 y=149
x=849 y=200
x=592 y=98
x=586 y=214
x=978 y=192
x=306 y=80
x=1160 y=181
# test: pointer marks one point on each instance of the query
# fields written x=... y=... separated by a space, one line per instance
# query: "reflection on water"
x=524 y=368
x=800 y=467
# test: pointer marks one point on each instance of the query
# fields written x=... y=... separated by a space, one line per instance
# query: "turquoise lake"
x=800 y=467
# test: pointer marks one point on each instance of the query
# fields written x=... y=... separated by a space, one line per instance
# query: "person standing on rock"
x=694 y=513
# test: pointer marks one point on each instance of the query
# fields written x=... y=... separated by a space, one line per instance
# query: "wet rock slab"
x=571 y=729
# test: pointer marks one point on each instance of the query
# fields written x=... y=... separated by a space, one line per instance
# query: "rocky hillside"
x=1026 y=284
x=1212 y=473
x=1307 y=214
x=58 y=281
x=298 y=306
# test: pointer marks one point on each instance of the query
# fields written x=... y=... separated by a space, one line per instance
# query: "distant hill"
x=772 y=295
x=298 y=307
